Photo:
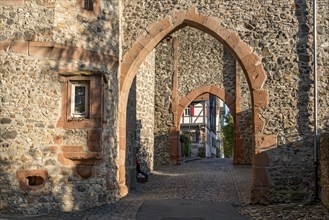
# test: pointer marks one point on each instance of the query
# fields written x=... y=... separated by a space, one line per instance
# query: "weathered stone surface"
x=145 y=81
x=9 y=135
x=288 y=81
x=163 y=117
x=5 y=121
x=278 y=31
x=324 y=167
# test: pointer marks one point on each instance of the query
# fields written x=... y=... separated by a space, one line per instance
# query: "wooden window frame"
x=95 y=101
x=187 y=111
x=73 y=85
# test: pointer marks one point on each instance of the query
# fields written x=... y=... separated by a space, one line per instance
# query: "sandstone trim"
x=54 y=51
x=12 y=2
x=23 y=175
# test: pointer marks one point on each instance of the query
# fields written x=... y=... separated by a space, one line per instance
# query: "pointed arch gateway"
x=248 y=60
x=214 y=90
x=186 y=100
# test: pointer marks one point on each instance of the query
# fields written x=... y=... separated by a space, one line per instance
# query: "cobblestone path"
x=205 y=180
x=202 y=180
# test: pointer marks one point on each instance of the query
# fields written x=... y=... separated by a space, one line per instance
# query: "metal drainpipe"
x=316 y=135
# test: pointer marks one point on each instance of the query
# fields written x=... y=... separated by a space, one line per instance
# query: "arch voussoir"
x=193 y=17
x=259 y=123
x=155 y=28
x=242 y=50
x=186 y=100
x=260 y=98
x=212 y=23
x=233 y=40
x=256 y=76
x=144 y=39
x=177 y=18
x=133 y=53
x=250 y=61
x=216 y=90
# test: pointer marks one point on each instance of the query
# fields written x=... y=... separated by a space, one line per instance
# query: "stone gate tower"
x=84 y=83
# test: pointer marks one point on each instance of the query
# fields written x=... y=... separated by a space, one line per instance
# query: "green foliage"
x=217 y=152
x=185 y=142
x=227 y=135
x=201 y=153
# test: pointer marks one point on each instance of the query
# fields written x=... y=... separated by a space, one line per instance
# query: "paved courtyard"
x=198 y=182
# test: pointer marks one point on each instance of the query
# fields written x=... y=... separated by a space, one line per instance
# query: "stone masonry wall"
x=31 y=95
x=245 y=118
x=31 y=105
x=163 y=118
x=131 y=126
x=279 y=31
x=203 y=61
x=30 y=21
x=323 y=63
x=63 y=22
x=145 y=80
x=324 y=168
x=323 y=96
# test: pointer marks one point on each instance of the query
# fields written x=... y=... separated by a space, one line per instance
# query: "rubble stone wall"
x=131 y=137
x=279 y=31
x=163 y=118
x=203 y=61
x=324 y=168
x=245 y=118
x=323 y=96
x=62 y=22
x=31 y=142
x=145 y=83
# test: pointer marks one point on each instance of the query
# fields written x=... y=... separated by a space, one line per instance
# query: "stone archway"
x=184 y=102
x=248 y=60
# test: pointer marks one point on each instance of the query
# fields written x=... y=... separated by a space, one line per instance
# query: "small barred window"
x=89 y=5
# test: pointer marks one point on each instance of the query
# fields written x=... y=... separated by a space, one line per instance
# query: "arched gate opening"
x=248 y=60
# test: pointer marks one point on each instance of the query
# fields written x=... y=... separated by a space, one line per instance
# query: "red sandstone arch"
x=186 y=100
x=249 y=61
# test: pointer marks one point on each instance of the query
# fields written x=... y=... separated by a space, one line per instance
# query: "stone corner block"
x=260 y=177
x=177 y=18
x=233 y=40
x=260 y=98
x=259 y=195
x=194 y=18
x=261 y=159
x=257 y=76
x=265 y=142
x=242 y=49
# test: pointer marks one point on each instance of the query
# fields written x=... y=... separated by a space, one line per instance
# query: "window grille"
x=89 y=5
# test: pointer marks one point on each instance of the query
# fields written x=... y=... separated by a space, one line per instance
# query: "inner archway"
x=189 y=98
x=249 y=61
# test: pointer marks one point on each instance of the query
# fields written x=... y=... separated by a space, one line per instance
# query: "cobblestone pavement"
x=204 y=180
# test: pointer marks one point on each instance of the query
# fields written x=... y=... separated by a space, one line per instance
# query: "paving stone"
x=210 y=180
